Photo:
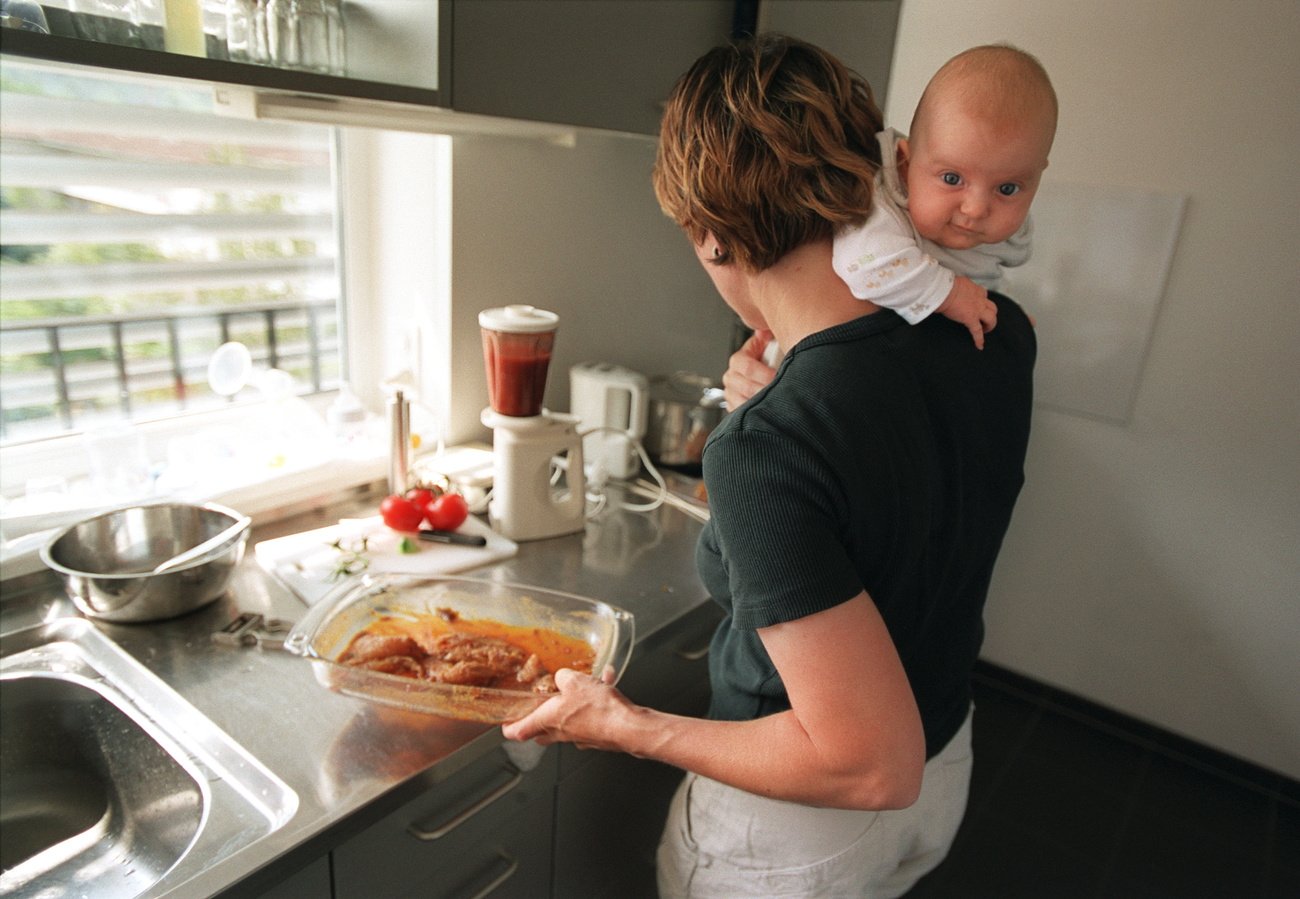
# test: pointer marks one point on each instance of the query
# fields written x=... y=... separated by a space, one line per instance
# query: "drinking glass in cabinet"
x=246 y=31
x=305 y=34
x=108 y=21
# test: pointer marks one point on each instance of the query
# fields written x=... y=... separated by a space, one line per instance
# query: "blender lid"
x=518 y=319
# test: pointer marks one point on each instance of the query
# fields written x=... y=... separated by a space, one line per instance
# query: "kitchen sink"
x=111 y=784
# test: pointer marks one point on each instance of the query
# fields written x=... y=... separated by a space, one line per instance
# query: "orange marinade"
x=554 y=650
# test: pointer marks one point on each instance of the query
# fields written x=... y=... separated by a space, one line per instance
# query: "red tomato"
x=447 y=512
x=400 y=514
x=420 y=496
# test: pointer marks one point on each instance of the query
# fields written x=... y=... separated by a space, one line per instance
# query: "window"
x=139 y=232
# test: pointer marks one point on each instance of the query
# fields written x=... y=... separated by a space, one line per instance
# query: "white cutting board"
x=306 y=562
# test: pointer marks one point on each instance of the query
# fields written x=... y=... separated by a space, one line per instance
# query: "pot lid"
x=688 y=388
x=518 y=319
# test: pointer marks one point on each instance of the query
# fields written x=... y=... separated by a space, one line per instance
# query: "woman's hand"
x=585 y=712
x=747 y=373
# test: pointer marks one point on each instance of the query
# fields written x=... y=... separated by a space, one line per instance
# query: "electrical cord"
x=658 y=478
x=596 y=496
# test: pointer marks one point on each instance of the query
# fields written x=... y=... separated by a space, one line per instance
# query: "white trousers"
x=724 y=843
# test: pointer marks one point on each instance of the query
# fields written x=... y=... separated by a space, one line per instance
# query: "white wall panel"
x=1152 y=561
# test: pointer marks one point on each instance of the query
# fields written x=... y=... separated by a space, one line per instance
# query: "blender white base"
x=525 y=505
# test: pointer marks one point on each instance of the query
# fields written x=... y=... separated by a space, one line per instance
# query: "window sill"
x=264 y=482
x=266 y=501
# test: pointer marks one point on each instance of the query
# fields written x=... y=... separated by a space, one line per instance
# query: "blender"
x=529 y=502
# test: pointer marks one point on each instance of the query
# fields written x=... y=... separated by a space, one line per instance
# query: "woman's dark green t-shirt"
x=883 y=457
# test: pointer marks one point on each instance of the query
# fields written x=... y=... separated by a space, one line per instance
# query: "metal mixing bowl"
x=107 y=562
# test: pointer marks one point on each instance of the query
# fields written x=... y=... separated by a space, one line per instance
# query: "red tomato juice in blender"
x=517 y=343
x=516 y=381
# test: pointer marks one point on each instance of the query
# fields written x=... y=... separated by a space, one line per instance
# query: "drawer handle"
x=512 y=865
x=693 y=655
x=440 y=832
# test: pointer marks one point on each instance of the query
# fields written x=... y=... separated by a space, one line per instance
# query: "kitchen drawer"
x=485 y=831
x=311 y=882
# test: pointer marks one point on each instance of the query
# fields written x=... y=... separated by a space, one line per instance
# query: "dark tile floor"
x=1071 y=800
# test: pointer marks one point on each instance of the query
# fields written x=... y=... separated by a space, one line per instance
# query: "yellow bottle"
x=184 y=30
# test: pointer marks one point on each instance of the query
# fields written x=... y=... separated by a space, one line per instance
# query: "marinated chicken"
x=450 y=657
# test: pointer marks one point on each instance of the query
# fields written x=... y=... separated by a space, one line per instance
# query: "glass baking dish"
x=329 y=626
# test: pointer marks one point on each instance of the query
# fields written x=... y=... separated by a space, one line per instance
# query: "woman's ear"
x=710 y=249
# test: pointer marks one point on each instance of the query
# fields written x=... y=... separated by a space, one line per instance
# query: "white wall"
x=397 y=228
x=576 y=231
x=572 y=229
x=1154 y=565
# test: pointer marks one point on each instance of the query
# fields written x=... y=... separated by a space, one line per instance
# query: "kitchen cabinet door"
x=861 y=33
x=485 y=830
x=609 y=816
x=670 y=670
x=590 y=63
x=610 y=808
x=312 y=882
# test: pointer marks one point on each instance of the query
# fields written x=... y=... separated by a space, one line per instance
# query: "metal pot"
x=684 y=410
x=109 y=563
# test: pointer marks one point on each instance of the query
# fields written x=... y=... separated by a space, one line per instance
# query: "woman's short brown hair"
x=767 y=144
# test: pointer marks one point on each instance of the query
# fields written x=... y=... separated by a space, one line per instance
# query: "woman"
x=858 y=503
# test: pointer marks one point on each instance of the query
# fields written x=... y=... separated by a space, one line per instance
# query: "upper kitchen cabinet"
x=395 y=51
x=591 y=63
x=860 y=32
x=606 y=64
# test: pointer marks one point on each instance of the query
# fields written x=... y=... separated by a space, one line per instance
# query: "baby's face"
x=971 y=181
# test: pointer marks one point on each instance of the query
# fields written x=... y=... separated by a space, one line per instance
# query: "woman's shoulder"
x=1020 y=330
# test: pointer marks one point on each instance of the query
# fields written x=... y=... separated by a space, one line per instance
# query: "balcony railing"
x=69 y=373
x=138 y=233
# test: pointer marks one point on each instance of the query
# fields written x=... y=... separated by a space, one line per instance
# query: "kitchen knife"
x=453 y=537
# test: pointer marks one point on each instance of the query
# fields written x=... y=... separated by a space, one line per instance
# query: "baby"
x=951 y=203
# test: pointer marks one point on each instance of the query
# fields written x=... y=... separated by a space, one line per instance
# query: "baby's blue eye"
x=952 y=179
x=1008 y=190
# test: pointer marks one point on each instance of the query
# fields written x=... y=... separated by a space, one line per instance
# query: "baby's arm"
x=969 y=304
x=881 y=262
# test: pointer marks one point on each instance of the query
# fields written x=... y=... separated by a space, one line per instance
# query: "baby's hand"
x=969 y=304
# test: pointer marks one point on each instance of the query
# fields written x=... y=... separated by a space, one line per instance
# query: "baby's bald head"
x=998 y=83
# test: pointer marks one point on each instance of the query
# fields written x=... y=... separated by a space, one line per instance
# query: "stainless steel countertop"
x=352 y=762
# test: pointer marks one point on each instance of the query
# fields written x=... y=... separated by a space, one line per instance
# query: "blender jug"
x=528 y=501
x=517 y=344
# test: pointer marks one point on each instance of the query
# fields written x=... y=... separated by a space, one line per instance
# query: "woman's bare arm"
x=852 y=738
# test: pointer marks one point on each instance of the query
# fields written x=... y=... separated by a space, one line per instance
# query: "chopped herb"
x=408 y=546
x=352 y=559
